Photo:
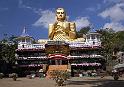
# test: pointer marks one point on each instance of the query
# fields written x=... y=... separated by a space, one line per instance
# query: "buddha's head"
x=60 y=14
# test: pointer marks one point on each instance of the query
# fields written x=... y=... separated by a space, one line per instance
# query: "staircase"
x=55 y=67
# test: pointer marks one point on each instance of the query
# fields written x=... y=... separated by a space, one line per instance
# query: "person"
x=62 y=29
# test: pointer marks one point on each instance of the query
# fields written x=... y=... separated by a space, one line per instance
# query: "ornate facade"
x=63 y=50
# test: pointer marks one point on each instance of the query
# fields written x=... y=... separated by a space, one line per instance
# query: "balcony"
x=29 y=58
x=31 y=46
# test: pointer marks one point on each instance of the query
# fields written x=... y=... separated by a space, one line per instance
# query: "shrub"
x=13 y=76
x=60 y=76
x=1 y=75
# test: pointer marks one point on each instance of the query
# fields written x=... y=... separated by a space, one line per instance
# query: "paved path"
x=73 y=82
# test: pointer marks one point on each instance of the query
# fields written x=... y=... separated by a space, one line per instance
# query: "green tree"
x=7 y=49
x=120 y=40
x=82 y=31
x=112 y=42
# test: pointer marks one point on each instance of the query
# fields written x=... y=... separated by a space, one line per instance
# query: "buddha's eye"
x=58 y=12
x=62 y=12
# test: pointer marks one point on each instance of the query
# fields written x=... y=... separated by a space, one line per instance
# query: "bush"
x=13 y=76
x=1 y=75
x=60 y=76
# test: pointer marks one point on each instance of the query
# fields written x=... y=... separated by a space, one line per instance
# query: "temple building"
x=30 y=57
x=62 y=51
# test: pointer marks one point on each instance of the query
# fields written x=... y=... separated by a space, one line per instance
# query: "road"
x=73 y=82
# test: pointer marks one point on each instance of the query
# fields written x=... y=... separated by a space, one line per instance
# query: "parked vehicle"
x=118 y=71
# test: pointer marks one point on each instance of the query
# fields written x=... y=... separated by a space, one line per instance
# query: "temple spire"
x=24 y=33
x=24 y=30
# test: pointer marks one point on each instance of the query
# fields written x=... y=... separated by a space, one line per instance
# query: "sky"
x=35 y=15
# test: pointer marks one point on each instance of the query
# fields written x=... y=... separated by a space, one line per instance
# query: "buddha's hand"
x=55 y=24
x=66 y=30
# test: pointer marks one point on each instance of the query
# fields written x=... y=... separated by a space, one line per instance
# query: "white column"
x=25 y=40
x=90 y=37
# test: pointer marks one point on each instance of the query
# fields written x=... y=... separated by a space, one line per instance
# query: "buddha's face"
x=60 y=14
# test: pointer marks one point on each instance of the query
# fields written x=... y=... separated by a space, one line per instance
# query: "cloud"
x=115 y=13
x=81 y=22
x=113 y=1
x=115 y=26
x=22 y=5
x=35 y=10
x=93 y=9
x=47 y=17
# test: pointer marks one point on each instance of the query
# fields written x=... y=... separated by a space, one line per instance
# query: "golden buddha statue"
x=61 y=29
